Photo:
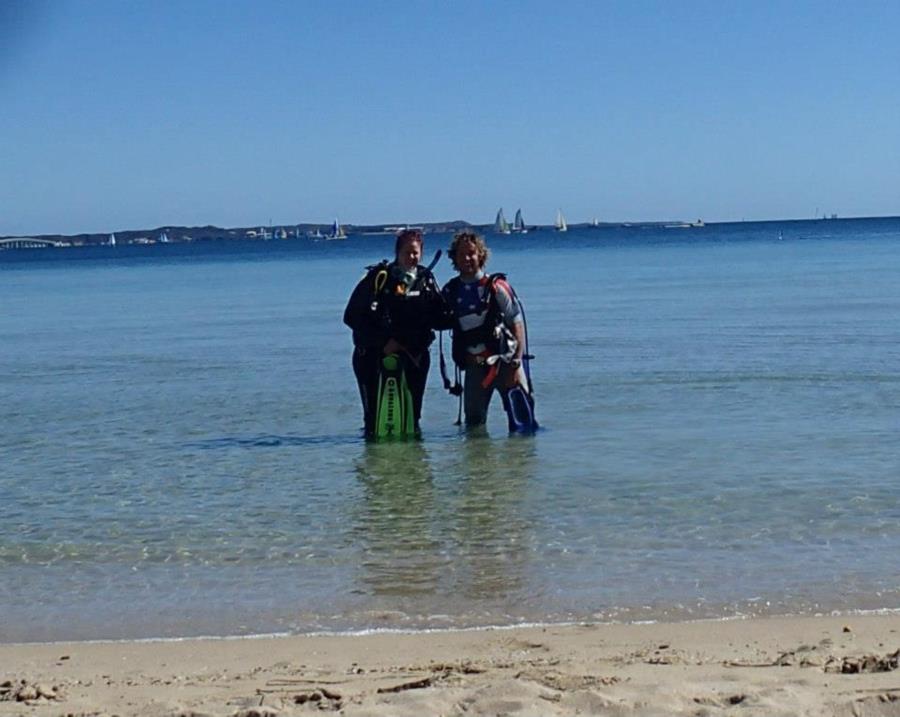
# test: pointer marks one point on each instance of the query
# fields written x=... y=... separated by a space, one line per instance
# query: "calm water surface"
x=181 y=449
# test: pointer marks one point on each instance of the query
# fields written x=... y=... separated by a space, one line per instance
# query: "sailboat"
x=519 y=224
x=561 y=225
x=112 y=240
x=163 y=238
x=337 y=231
x=501 y=226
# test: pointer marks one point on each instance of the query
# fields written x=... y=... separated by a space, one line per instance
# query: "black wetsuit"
x=389 y=304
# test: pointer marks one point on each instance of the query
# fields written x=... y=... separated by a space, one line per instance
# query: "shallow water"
x=181 y=449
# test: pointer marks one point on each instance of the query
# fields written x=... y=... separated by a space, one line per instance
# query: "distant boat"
x=698 y=224
x=519 y=224
x=561 y=225
x=163 y=238
x=112 y=240
x=337 y=231
x=501 y=226
x=594 y=223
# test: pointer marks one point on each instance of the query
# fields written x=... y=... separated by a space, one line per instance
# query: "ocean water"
x=181 y=450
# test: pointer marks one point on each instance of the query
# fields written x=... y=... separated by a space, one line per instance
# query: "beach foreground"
x=772 y=666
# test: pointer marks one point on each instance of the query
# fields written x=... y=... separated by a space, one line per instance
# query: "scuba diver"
x=490 y=338
x=393 y=312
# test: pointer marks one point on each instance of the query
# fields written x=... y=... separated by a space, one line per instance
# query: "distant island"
x=180 y=234
x=303 y=231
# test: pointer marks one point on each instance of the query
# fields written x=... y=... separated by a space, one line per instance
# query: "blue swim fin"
x=519 y=407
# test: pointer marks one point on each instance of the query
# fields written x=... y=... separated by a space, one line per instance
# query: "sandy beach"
x=774 y=666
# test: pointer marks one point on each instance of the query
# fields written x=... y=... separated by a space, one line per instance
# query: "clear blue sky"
x=136 y=114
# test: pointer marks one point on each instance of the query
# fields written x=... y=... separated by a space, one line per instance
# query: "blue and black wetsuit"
x=485 y=311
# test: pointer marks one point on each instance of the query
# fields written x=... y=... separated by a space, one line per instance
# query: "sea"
x=181 y=448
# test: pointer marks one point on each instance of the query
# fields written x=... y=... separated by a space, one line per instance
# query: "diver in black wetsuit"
x=395 y=309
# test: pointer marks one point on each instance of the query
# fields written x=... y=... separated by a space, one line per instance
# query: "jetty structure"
x=30 y=243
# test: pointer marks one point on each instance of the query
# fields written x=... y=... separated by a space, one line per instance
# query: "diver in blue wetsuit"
x=489 y=337
x=394 y=310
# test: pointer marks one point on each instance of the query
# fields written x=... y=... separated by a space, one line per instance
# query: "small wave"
x=271 y=441
x=499 y=627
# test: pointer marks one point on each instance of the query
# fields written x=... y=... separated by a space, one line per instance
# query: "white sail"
x=519 y=223
x=561 y=225
x=501 y=226
x=112 y=239
x=337 y=231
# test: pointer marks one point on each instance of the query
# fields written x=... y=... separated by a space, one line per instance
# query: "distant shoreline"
x=310 y=231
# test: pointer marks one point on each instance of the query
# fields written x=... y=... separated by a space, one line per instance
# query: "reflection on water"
x=452 y=527
x=491 y=529
x=400 y=550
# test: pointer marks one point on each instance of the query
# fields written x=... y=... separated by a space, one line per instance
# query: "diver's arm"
x=368 y=328
x=440 y=313
x=519 y=332
x=353 y=313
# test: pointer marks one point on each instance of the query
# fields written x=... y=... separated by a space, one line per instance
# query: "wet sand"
x=774 y=666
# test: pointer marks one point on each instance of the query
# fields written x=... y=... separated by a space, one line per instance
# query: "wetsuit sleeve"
x=439 y=312
x=368 y=329
x=446 y=294
x=507 y=305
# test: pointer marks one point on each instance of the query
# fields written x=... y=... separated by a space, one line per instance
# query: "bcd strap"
x=455 y=388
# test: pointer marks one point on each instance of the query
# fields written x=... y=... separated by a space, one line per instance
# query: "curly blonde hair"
x=467 y=235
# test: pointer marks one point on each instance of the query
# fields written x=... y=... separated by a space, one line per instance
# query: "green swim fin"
x=395 y=417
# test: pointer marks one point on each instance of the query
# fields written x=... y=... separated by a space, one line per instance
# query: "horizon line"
x=399 y=225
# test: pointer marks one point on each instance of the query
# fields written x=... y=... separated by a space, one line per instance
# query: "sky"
x=131 y=114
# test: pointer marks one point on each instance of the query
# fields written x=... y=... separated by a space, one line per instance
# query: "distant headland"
x=310 y=231
x=179 y=234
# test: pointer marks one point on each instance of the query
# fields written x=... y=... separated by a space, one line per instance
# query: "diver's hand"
x=392 y=347
x=513 y=377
